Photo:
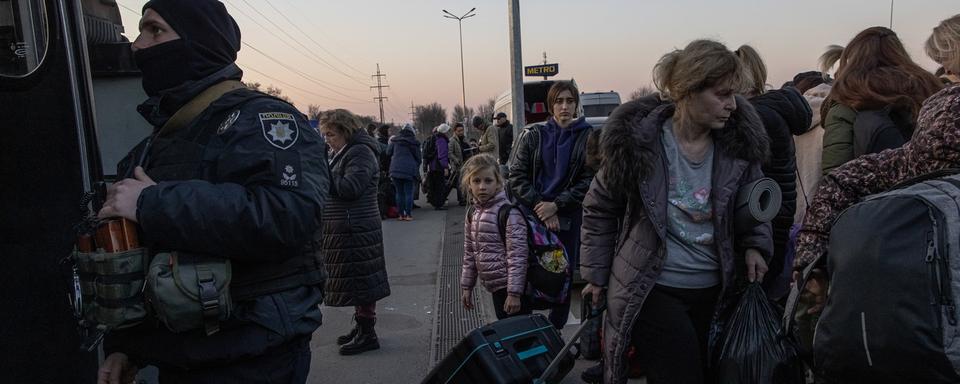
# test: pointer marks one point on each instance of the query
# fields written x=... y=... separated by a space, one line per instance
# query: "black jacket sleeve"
x=522 y=169
x=263 y=201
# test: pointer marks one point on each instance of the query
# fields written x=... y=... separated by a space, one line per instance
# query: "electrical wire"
x=301 y=74
x=307 y=35
x=284 y=31
x=247 y=67
x=286 y=42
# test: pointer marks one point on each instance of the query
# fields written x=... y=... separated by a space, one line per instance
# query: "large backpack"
x=891 y=314
x=549 y=273
x=429 y=150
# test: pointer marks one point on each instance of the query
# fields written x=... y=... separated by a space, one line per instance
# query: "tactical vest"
x=191 y=153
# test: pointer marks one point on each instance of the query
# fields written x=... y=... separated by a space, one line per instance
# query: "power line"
x=284 y=31
x=307 y=35
x=247 y=67
x=303 y=75
x=285 y=42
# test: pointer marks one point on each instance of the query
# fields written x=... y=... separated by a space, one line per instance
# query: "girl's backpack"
x=549 y=273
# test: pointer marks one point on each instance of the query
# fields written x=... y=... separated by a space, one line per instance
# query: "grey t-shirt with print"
x=692 y=260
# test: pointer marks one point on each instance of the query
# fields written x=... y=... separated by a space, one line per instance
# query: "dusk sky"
x=325 y=51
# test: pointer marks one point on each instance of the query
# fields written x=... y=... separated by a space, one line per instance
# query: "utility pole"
x=413 y=113
x=516 y=67
x=891 y=14
x=380 y=98
x=545 y=61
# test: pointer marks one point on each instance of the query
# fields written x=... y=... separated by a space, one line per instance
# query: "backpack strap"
x=503 y=215
x=470 y=210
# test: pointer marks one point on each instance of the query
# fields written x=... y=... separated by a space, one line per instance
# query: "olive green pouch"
x=188 y=291
x=111 y=286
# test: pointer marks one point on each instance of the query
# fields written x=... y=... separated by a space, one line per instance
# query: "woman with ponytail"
x=657 y=236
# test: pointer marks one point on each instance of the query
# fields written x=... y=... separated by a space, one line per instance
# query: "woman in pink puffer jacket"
x=499 y=262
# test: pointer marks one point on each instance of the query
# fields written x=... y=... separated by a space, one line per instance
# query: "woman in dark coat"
x=352 y=237
x=404 y=152
x=549 y=173
x=658 y=232
x=784 y=113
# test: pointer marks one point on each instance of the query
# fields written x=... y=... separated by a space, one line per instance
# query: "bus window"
x=23 y=36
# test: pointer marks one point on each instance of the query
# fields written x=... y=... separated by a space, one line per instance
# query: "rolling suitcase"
x=522 y=349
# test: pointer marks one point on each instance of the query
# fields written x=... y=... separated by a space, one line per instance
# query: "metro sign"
x=542 y=70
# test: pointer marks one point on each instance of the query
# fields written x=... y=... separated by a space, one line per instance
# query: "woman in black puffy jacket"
x=352 y=235
x=784 y=113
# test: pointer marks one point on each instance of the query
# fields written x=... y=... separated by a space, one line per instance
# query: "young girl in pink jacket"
x=499 y=261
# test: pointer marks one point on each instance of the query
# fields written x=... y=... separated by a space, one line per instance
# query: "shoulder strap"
x=503 y=215
x=194 y=107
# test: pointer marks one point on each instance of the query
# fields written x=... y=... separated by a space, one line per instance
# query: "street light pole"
x=463 y=81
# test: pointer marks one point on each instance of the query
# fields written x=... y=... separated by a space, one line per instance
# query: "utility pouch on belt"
x=111 y=287
x=189 y=291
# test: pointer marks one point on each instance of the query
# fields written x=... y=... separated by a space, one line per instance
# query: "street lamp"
x=463 y=82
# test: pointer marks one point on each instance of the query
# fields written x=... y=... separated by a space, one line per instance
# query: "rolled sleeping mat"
x=757 y=203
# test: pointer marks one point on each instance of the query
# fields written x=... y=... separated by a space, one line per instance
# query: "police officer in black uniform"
x=244 y=179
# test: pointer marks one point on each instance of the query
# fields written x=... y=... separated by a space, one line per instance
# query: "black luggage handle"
x=594 y=315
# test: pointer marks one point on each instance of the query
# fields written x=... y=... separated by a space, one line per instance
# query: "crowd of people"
x=644 y=207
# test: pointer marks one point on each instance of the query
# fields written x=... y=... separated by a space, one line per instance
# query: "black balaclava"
x=209 y=41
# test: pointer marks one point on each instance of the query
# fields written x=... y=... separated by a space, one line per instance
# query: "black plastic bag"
x=753 y=347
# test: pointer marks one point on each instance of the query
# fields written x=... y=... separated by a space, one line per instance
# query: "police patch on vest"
x=288 y=169
x=228 y=122
x=280 y=129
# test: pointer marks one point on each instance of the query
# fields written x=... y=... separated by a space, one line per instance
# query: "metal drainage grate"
x=453 y=321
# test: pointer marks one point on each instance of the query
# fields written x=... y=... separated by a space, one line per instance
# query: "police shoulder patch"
x=228 y=122
x=279 y=128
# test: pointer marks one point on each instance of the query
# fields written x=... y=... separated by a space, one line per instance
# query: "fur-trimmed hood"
x=634 y=127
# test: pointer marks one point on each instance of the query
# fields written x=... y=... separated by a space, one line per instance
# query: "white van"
x=598 y=105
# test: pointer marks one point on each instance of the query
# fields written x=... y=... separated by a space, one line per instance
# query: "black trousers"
x=500 y=297
x=671 y=332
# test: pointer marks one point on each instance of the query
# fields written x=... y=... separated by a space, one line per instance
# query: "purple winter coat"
x=485 y=254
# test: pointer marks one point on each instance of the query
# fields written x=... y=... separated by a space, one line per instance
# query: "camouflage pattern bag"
x=189 y=291
x=111 y=287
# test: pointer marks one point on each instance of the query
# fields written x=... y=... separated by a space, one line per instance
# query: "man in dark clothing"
x=505 y=130
x=242 y=178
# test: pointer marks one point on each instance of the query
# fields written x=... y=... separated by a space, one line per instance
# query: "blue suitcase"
x=522 y=349
x=513 y=350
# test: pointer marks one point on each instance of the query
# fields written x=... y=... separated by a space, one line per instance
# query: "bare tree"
x=485 y=110
x=461 y=114
x=428 y=116
x=641 y=92
x=313 y=112
x=254 y=86
x=366 y=120
x=278 y=93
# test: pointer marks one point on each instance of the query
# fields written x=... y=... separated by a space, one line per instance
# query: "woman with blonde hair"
x=352 y=240
x=657 y=232
x=785 y=114
x=935 y=146
x=875 y=98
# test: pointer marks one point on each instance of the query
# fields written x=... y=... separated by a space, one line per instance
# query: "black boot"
x=593 y=374
x=366 y=339
x=341 y=340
